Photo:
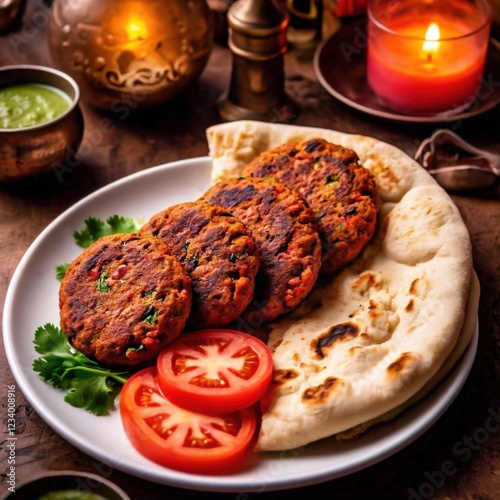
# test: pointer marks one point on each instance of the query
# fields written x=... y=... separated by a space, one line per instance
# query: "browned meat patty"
x=284 y=229
x=124 y=299
x=218 y=253
x=342 y=194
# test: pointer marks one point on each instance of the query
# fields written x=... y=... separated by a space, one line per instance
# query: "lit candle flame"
x=431 y=43
x=136 y=29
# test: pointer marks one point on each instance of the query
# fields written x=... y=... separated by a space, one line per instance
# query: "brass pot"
x=129 y=52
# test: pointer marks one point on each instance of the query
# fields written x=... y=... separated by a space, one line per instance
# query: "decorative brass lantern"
x=131 y=52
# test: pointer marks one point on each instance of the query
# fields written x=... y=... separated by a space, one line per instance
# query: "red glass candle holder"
x=427 y=57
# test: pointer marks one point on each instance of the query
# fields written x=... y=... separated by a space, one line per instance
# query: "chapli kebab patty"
x=217 y=252
x=124 y=299
x=341 y=192
x=284 y=229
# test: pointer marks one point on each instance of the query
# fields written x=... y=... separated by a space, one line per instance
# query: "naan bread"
x=361 y=346
x=465 y=336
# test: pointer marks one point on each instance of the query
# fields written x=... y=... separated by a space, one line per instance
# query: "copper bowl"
x=51 y=482
x=29 y=151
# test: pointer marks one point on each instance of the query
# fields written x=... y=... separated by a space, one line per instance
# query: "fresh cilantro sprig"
x=94 y=228
x=61 y=271
x=88 y=385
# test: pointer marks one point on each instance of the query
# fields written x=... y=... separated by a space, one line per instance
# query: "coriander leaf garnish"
x=61 y=270
x=95 y=228
x=92 y=390
x=120 y=224
x=88 y=385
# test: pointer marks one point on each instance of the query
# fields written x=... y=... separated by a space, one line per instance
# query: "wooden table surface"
x=177 y=131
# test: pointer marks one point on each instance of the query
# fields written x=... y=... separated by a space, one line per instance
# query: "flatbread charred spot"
x=366 y=281
x=274 y=345
x=403 y=363
x=282 y=376
x=337 y=333
x=384 y=173
x=375 y=312
x=317 y=395
x=392 y=184
x=414 y=286
x=311 y=367
x=410 y=306
x=418 y=287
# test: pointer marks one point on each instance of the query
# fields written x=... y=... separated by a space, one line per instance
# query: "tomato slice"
x=218 y=370
x=179 y=438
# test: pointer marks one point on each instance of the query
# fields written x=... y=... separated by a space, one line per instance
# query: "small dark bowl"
x=66 y=480
x=29 y=151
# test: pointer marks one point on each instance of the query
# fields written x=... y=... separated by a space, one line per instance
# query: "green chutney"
x=70 y=495
x=31 y=104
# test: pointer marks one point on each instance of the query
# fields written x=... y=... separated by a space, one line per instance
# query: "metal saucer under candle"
x=340 y=66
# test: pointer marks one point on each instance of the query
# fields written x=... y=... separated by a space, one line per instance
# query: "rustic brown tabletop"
x=458 y=457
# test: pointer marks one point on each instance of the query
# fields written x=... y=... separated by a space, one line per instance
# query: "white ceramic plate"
x=32 y=301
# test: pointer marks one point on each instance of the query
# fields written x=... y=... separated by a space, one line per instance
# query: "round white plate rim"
x=413 y=423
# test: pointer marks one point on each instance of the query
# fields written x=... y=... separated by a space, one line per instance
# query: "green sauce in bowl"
x=31 y=104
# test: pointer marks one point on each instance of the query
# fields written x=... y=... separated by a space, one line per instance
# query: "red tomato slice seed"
x=215 y=370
